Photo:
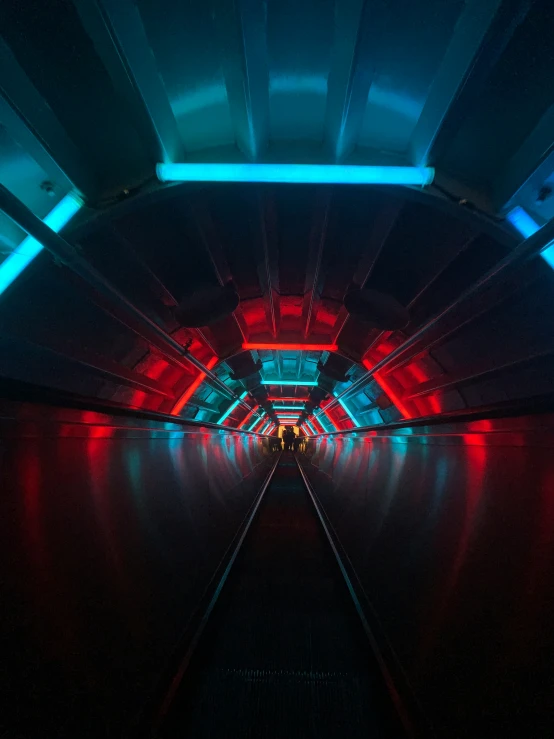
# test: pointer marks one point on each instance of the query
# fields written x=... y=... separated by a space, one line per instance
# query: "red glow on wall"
x=421 y=376
x=189 y=392
x=316 y=422
x=385 y=386
x=332 y=422
x=292 y=347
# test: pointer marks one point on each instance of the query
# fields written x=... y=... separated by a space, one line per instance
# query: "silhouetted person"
x=296 y=443
x=288 y=437
x=276 y=444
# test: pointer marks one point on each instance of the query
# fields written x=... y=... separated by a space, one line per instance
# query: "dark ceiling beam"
x=214 y=249
x=527 y=170
x=481 y=296
x=92 y=363
x=382 y=227
x=119 y=37
x=312 y=285
x=242 y=30
x=30 y=121
x=480 y=37
x=109 y=298
x=457 y=380
x=155 y=285
x=268 y=265
x=358 y=31
x=464 y=244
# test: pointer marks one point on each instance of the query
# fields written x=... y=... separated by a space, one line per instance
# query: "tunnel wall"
x=450 y=530
x=110 y=530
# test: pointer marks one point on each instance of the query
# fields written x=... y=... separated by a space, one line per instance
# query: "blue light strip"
x=333 y=174
x=349 y=413
x=256 y=421
x=522 y=222
x=309 y=425
x=305 y=383
x=232 y=407
x=265 y=428
x=287 y=407
x=527 y=226
x=29 y=248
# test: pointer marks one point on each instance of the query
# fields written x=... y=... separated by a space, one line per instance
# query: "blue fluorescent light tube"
x=335 y=174
x=527 y=226
x=522 y=222
x=309 y=383
x=348 y=413
x=29 y=248
x=309 y=425
x=265 y=428
x=232 y=407
x=288 y=407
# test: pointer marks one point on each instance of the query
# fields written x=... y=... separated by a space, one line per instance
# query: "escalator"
x=284 y=653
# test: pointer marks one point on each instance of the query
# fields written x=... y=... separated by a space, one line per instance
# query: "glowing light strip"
x=393 y=397
x=265 y=428
x=282 y=400
x=189 y=392
x=247 y=417
x=29 y=248
x=349 y=413
x=325 y=426
x=257 y=421
x=232 y=407
x=315 y=421
x=333 y=424
x=527 y=226
x=303 y=383
x=336 y=174
x=522 y=222
x=309 y=425
x=287 y=408
x=292 y=347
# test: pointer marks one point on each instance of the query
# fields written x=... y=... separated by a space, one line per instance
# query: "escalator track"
x=284 y=653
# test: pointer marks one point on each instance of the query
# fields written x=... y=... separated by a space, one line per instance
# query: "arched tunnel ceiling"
x=95 y=93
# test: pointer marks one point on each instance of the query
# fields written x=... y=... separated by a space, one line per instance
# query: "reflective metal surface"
x=451 y=532
x=108 y=538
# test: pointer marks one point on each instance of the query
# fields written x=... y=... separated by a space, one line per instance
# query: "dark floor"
x=284 y=654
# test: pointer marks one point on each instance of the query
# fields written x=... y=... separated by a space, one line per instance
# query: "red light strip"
x=249 y=415
x=388 y=390
x=300 y=400
x=314 y=420
x=293 y=347
x=257 y=423
x=333 y=424
x=189 y=392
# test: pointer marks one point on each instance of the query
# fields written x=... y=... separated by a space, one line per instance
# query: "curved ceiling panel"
x=95 y=95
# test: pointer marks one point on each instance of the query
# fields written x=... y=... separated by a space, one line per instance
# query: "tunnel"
x=230 y=221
